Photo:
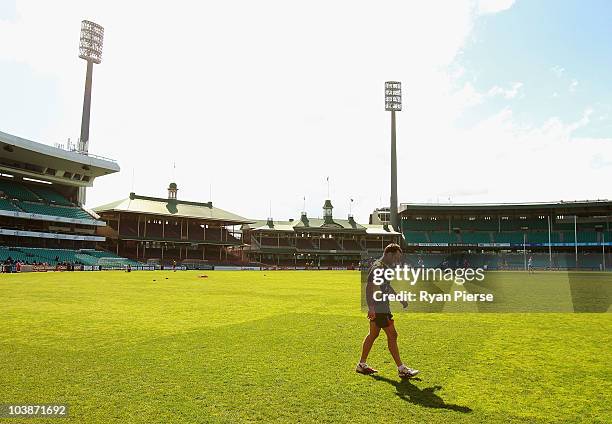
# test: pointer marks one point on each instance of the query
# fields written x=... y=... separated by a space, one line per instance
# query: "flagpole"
x=603 y=249
x=549 y=245
x=576 y=238
x=525 y=249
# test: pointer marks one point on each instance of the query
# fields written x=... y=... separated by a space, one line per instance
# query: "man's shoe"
x=405 y=372
x=363 y=368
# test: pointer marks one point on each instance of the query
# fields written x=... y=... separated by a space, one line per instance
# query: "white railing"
x=69 y=147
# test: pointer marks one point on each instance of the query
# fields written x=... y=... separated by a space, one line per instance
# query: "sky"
x=254 y=104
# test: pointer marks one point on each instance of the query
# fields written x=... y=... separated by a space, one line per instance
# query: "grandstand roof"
x=378 y=229
x=37 y=160
x=320 y=224
x=263 y=225
x=170 y=207
x=340 y=224
x=313 y=223
x=505 y=206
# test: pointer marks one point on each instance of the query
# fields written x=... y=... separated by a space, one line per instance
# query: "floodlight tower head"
x=393 y=96
x=92 y=38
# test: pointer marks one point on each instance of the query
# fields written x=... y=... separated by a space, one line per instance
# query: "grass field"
x=281 y=346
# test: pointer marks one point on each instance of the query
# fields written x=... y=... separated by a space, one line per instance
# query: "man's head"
x=393 y=254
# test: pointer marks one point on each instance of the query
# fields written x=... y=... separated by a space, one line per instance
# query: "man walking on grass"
x=379 y=314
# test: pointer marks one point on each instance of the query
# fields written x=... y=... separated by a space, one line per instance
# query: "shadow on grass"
x=425 y=397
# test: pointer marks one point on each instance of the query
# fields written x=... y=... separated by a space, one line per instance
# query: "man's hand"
x=371 y=314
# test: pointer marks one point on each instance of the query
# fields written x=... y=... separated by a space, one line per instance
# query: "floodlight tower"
x=90 y=49
x=393 y=103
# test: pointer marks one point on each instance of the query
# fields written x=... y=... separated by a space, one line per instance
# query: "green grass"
x=281 y=346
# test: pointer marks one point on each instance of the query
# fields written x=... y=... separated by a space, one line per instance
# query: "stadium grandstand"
x=557 y=235
x=167 y=230
x=42 y=218
x=380 y=216
x=315 y=242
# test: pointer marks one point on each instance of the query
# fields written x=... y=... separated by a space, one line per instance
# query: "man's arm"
x=369 y=293
x=403 y=302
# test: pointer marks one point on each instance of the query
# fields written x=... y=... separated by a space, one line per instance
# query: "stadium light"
x=393 y=103
x=393 y=96
x=92 y=38
x=90 y=49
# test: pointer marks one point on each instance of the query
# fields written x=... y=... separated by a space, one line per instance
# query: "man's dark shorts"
x=383 y=320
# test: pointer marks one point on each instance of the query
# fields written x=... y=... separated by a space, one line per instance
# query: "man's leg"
x=392 y=342
x=369 y=341
x=403 y=370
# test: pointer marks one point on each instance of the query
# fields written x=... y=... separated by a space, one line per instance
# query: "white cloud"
x=494 y=6
x=558 y=70
x=582 y=122
x=468 y=96
x=507 y=93
x=598 y=162
x=561 y=75
x=503 y=160
x=573 y=86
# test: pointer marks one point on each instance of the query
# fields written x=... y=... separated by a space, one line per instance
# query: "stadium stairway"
x=7 y=205
x=51 y=196
x=63 y=211
x=17 y=191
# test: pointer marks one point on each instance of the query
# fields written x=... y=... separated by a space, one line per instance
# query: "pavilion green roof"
x=174 y=208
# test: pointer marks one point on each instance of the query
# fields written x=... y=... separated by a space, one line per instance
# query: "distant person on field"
x=379 y=314
x=530 y=265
